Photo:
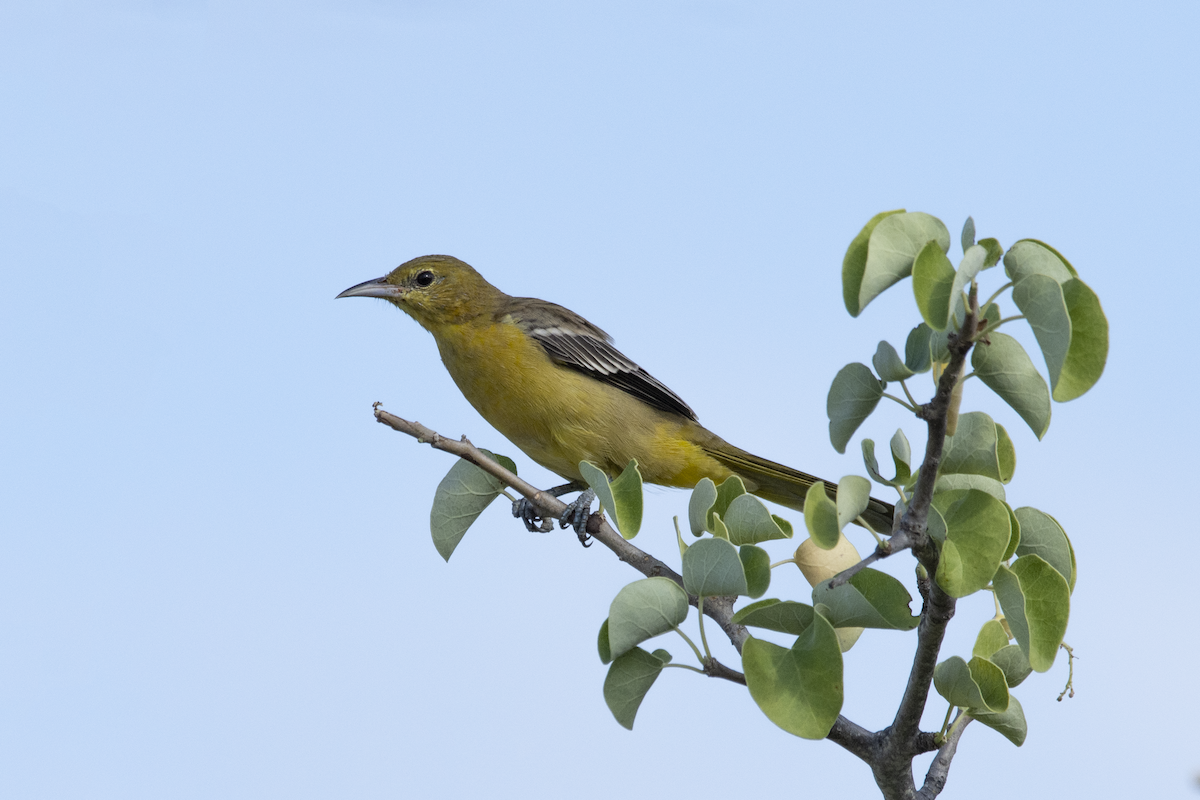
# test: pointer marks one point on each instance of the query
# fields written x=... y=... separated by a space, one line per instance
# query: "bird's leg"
x=576 y=515
x=531 y=515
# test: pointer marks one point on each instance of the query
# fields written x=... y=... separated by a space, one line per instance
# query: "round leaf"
x=1040 y=299
x=621 y=498
x=756 y=565
x=852 y=397
x=642 y=610
x=892 y=248
x=459 y=500
x=870 y=599
x=798 y=688
x=933 y=279
x=821 y=516
x=854 y=265
x=888 y=364
x=1004 y=366
x=1089 y=342
x=784 y=616
x=977 y=532
x=1036 y=603
x=749 y=522
x=1010 y=722
x=712 y=567
x=629 y=678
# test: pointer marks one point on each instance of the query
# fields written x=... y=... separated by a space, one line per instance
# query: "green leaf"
x=977 y=533
x=798 y=688
x=1012 y=662
x=749 y=522
x=602 y=644
x=933 y=279
x=1089 y=342
x=1040 y=299
x=973 y=449
x=1036 y=602
x=853 y=497
x=730 y=489
x=870 y=599
x=628 y=680
x=1014 y=539
x=1005 y=368
x=978 y=684
x=1029 y=257
x=916 y=349
x=901 y=456
x=459 y=500
x=949 y=483
x=872 y=465
x=888 y=364
x=968 y=268
x=1010 y=723
x=893 y=245
x=939 y=348
x=662 y=655
x=1041 y=535
x=756 y=565
x=1006 y=454
x=642 y=610
x=854 y=265
x=622 y=498
x=821 y=517
x=852 y=397
x=719 y=531
x=1061 y=257
x=704 y=496
x=711 y=567
x=990 y=639
x=968 y=234
x=994 y=252
x=783 y=616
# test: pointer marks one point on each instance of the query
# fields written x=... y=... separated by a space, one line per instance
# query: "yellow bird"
x=555 y=386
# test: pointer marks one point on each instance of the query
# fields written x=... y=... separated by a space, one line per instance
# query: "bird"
x=555 y=386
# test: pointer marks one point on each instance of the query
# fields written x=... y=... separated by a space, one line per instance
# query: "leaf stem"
x=696 y=650
x=992 y=299
x=684 y=666
x=946 y=722
x=703 y=637
x=901 y=402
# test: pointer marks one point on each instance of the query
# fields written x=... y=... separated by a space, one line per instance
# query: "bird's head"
x=433 y=290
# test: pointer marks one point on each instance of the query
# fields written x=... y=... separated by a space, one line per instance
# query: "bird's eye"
x=424 y=278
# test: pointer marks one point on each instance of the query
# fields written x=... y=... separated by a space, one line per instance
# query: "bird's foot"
x=525 y=510
x=577 y=514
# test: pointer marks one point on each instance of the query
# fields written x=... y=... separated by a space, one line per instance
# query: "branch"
x=719 y=609
x=845 y=733
x=935 y=778
x=902 y=740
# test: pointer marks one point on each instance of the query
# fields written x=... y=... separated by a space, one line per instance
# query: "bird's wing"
x=572 y=341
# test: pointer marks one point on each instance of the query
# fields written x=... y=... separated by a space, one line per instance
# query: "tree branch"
x=902 y=740
x=939 y=770
x=719 y=609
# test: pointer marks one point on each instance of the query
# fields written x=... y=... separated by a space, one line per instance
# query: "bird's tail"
x=787 y=486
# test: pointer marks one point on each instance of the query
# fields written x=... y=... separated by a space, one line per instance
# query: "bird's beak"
x=374 y=288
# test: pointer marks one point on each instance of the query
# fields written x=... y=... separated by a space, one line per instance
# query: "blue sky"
x=216 y=576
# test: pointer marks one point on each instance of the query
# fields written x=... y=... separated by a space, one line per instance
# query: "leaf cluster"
x=952 y=512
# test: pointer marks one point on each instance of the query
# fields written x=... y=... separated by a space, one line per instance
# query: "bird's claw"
x=576 y=515
x=525 y=510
